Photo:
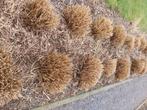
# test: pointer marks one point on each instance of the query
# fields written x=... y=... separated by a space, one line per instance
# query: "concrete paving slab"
x=126 y=95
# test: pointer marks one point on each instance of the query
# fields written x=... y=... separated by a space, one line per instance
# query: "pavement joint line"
x=142 y=103
x=83 y=95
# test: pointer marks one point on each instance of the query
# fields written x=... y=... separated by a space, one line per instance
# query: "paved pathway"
x=126 y=96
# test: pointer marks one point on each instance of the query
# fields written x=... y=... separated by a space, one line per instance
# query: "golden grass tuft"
x=119 y=36
x=130 y=42
x=123 y=68
x=9 y=87
x=55 y=72
x=110 y=67
x=91 y=73
x=145 y=51
x=78 y=18
x=138 y=66
x=40 y=14
x=145 y=68
x=102 y=28
x=143 y=43
x=137 y=42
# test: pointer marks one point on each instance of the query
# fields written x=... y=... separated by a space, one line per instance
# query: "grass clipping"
x=78 y=18
x=91 y=73
x=9 y=87
x=123 y=68
x=55 y=72
x=102 y=28
x=40 y=14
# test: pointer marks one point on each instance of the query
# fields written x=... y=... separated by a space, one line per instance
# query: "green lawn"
x=132 y=10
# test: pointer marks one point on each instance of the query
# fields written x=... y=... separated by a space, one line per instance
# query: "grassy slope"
x=133 y=10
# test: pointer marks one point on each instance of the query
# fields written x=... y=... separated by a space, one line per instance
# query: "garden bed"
x=28 y=47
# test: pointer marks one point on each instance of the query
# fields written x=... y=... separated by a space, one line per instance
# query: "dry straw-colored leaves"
x=110 y=67
x=137 y=42
x=123 y=68
x=9 y=87
x=78 y=18
x=91 y=72
x=119 y=36
x=138 y=66
x=40 y=14
x=102 y=28
x=129 y=42
x=55 y=72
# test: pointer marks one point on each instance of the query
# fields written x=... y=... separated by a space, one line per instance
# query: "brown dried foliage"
x=40 y=14
x=143 y=43
x=119 y=36
x=9 y=87
x=55 y=72
x=110 y=67
x=138 y=66
x=145 y=51
x=78 y=18
x=123 y=68
x=137 y=42
x=102 y=28
x=129 y=42
x=145 y=68
x=91 y=73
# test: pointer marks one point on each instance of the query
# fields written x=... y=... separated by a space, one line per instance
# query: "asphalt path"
x=126 y=96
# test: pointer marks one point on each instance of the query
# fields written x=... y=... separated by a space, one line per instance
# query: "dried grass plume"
x=91 y=73
x=119 y=36
x=110 y=67
x=145 y=51
x=138 y=66
x=55 y=72
x=9 y=87
x=102 y=28
x=143 y=43
x=78 y=18
x=145 y=68
x=40 y=14
x=137 y=42
x=123 y=68
x=130 y=42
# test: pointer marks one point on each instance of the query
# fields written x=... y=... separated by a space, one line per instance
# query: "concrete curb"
x=82 y=96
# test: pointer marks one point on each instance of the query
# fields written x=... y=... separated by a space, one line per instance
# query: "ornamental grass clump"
x=9 y=86
x=138 y=66
x=145 y=68
x=129 y=42
x=119 y=36
x=137 y=42
x=143 y=43
x=90 y=74
x=79 y=19
x=102 y=28
x=123 y=68
x=109 y=67
x=145 y=51
x=40 y=14
x=55 y=72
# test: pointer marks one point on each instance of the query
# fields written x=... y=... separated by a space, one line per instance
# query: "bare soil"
x=28 y=47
